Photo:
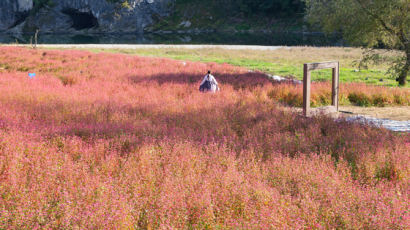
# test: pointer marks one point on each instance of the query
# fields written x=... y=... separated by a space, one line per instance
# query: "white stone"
x=185 y=24
x=277 y=78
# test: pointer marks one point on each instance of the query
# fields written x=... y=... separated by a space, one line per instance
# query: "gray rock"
x=186 y=39
x=283 y=79
x=277 y=78
x=185 y=24
x=73 y=16
x=13 y=12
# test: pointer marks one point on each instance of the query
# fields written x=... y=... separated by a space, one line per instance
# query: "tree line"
x=366 y=23
x=256 y=7
x=271 y=7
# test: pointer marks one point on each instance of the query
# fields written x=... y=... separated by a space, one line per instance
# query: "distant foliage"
x=41 y=3
x=38 y=4
x=256 y=7
x=124 y=3
x=115 y=1
x=368 y=23
x=271 y=7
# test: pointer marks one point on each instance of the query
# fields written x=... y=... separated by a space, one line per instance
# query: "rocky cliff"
x=79 y=16
x=12 y=12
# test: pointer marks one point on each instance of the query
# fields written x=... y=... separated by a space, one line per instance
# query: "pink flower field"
x=112 y=141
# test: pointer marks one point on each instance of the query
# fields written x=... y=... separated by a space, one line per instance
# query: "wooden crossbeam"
x=322 y=65
x=307 y=68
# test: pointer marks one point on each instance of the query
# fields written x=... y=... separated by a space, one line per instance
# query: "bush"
x=351 y=93
x=386 y=172
x=271 y=7
x=359 y=99
x=38 y=4
x=380 y=100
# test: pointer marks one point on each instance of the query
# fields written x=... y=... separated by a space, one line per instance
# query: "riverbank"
x=119 y=47
x=278 y=38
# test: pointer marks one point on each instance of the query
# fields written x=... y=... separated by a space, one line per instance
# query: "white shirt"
x=210 y=78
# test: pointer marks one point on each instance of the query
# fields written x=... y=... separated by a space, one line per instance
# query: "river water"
x=397 y=126
x=266 y=39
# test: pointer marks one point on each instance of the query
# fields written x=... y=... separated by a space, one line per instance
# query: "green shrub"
x=270 y=7
x=320 y=99
x=387 y=171
x=124 y=3
x=38 y=4
x=379 y=100
x=67 y=80
x=359 y=99
x=400 y=100
x=293 y=99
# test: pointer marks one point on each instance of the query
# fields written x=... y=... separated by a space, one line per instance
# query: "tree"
x=270 y=7
x=368 y=23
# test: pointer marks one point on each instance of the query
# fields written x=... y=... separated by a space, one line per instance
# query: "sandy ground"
x=398 y=113
x=392 y=118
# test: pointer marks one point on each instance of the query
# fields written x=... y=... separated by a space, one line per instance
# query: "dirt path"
x=398 y=113
x=392 y=118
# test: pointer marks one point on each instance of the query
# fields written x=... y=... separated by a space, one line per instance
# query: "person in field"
x=209 y=84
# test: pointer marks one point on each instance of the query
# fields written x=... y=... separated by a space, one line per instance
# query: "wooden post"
x=35 y=39
x=307 y=68
x=306 y=90
x=335 y=87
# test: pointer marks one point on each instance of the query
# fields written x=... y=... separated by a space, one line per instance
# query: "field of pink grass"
x=110 y=141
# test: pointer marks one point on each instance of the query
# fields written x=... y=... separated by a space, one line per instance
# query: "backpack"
x=205 y=86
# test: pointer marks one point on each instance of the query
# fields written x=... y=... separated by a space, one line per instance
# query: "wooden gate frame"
x=307 y=68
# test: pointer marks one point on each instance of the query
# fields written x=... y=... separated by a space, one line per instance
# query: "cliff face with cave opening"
x=72 y=16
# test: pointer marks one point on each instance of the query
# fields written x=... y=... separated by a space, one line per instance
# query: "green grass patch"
x=278 y=66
